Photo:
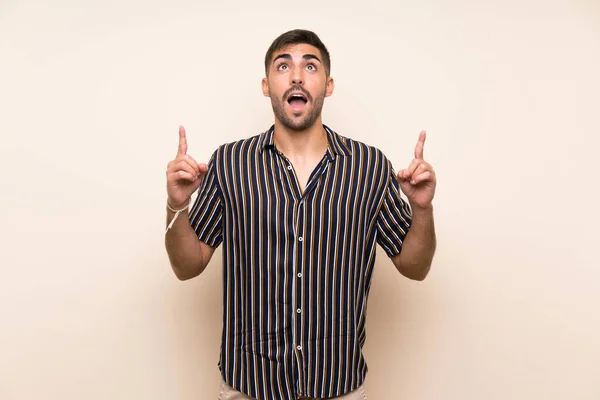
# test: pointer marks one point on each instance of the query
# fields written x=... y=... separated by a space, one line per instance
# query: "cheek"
x=319 y=87
x=275 y=91
x=277 y=82
x=320 y=91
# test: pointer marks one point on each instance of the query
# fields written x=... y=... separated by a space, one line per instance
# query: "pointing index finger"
x=182 y=142
x=420 y=145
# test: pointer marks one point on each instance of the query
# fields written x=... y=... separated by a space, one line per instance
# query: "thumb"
x=203 y=168
x=402 y=176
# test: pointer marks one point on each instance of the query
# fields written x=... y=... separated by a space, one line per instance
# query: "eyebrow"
x=305 y=57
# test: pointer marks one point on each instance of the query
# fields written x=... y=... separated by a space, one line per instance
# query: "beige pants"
x=229 y=393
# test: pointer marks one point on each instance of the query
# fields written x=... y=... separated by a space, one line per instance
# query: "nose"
x=296 y=77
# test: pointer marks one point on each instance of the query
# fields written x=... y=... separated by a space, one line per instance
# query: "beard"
x=297 y=122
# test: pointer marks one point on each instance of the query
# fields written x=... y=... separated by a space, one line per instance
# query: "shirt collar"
x=337 y=144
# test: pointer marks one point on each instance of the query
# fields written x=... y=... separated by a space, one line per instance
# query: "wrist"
x=176 y=211
x=423 y=210
x=175 y=207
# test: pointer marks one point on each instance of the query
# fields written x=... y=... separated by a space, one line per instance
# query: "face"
x=297 y=85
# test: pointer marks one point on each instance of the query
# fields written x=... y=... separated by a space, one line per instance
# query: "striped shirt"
x=297 y=265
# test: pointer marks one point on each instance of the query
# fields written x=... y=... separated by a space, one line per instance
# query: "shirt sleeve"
x=394 y=217
x=205 y=216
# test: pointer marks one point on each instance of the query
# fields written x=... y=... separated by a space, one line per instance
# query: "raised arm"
x=418 y=183
x=188 y=255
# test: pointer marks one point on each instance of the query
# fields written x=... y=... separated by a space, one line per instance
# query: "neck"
x=306 y=143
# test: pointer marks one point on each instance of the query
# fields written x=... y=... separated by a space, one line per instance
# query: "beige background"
x=92 y=93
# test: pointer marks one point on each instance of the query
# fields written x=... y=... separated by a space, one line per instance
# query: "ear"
x=265 y=87
x=329 y=87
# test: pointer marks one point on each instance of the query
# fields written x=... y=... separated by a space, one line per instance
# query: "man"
x=299 y=210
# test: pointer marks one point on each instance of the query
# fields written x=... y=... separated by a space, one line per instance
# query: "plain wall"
x=91 y=96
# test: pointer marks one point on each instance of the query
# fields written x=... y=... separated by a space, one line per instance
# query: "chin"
x=296 y=120
x=298 y=125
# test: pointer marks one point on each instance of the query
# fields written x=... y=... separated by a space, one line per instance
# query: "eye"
x=282 y=67
x=311 y=67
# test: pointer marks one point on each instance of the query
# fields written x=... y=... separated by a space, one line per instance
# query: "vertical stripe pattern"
x=297 y=265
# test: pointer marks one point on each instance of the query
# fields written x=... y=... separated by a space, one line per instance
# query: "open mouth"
x=297 y=101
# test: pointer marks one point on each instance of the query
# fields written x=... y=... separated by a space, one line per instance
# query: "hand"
x=184 y=175
x=418 y=180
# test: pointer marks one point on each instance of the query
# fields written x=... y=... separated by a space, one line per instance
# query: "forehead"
x=298 y=50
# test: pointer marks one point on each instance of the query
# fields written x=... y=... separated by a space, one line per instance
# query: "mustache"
x=296 y=89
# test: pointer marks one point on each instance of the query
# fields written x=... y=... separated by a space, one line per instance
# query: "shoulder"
x=237 y=148
x=355 y=148
x=365 y=154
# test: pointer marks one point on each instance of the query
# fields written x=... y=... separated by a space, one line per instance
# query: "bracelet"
x=177 y=212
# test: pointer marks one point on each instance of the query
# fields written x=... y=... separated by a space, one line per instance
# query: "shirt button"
x=299 y=311
x=299 y=347
x=300 y=238
x=289 y=167
x=299 y=274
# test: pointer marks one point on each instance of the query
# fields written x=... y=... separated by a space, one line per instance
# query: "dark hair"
x=298 y=36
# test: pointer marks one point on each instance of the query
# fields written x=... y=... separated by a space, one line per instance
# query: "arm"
x=418 y=247
x=418 y=183
x=188 y=255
